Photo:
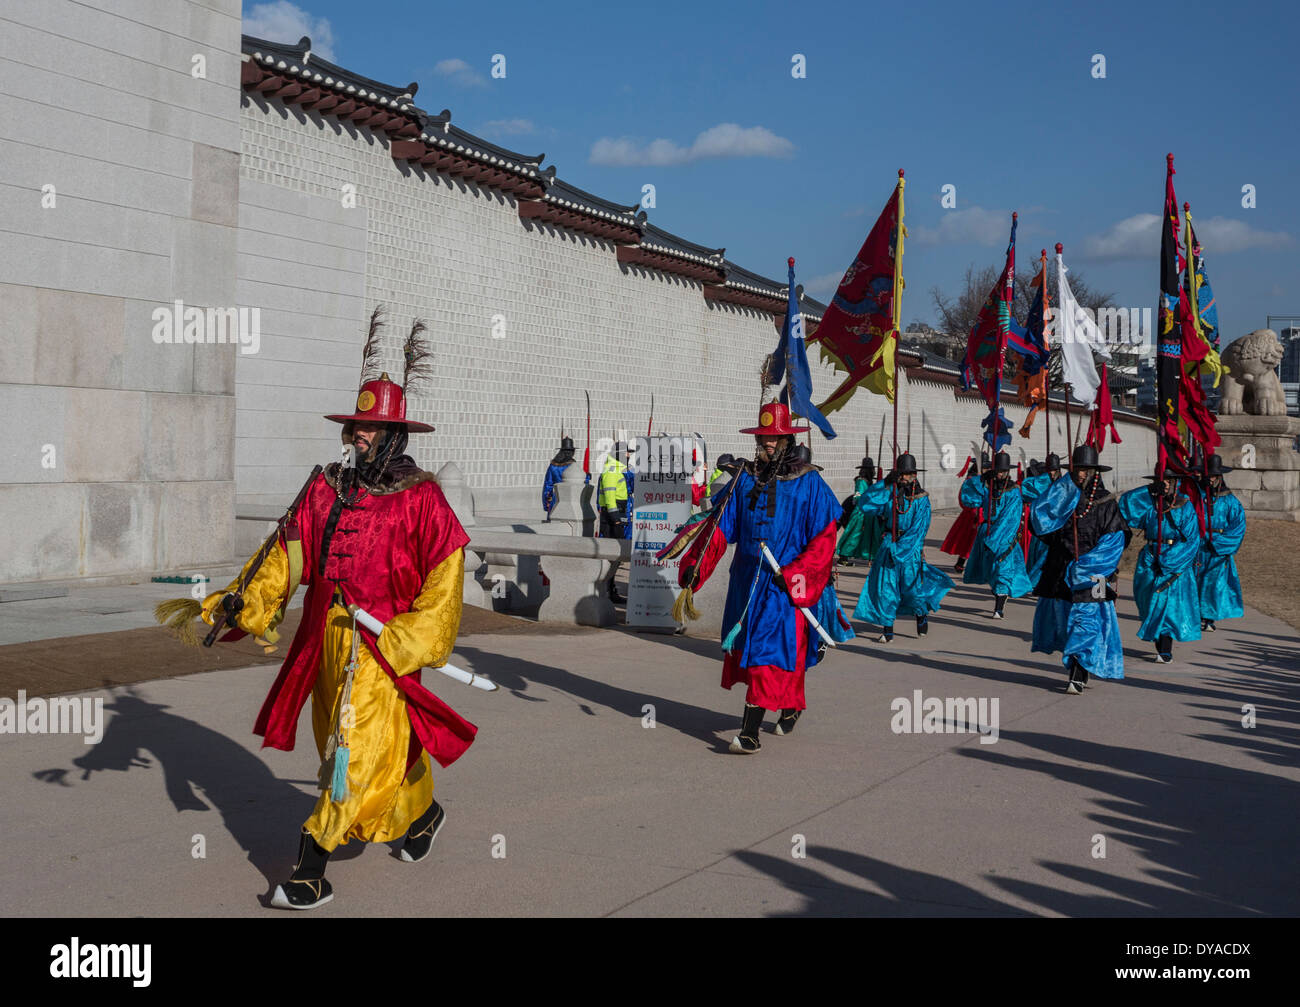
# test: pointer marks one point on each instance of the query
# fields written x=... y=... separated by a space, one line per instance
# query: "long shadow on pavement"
x=1217 y=841
x=516 y=674
x=261 y=812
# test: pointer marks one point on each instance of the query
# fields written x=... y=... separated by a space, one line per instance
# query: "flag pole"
x=897 y=315
x=1047 y=371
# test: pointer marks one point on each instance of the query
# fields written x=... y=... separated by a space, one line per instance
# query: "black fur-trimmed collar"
x=397 y=486
x=793 y=472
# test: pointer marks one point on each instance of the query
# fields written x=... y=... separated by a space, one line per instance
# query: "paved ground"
x=597 y=814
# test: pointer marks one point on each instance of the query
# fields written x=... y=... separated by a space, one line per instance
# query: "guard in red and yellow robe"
x=768 y=643
x=381 y=537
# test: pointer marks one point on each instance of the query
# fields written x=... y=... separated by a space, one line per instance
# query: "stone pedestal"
x=576 y=503
x=1266 y=466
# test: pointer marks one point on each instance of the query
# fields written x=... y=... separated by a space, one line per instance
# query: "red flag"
x=1103 y=416
x=857 y=331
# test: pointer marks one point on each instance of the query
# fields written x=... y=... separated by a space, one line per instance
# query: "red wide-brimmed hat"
x=382 y=401
x=774 y=421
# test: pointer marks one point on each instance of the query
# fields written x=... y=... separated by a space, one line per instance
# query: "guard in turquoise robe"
x=900 y=579
x=1079 y=523
x=862 y=532
x=1164 y=584
x=998 y=557
x=1039 y=478
x=1218 y=585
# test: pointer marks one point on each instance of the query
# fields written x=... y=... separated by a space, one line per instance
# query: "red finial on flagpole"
x=1186 y=206
x=1169 y=159
x=1043 y=252
x=1059 y=248
x=900 y=172
x=1014 y=215
x=791 y=261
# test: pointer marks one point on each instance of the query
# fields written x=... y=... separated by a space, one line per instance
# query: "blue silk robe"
x=900 y=579
x=1165 y=590
x=1087 y=630
x=1030 y=490
x=1001 y=559
x=1218 y=584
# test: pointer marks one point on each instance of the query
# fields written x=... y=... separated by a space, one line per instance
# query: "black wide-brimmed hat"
x=566 y=444
x=1214 y=466
x=726 y=461
x=1001 y=463
x=906 y=465
x=867 y=465
x=1053 y=463
x=1085 y=457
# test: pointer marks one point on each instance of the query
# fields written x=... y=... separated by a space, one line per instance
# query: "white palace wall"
x=458 y=256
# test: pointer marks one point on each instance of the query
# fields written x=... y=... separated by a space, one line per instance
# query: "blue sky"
x=998 y=100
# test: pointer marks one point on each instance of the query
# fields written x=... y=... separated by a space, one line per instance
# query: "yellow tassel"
x=684 y=606
x=178 y=615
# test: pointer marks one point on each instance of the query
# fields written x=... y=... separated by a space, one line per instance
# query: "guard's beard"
x=372 y=468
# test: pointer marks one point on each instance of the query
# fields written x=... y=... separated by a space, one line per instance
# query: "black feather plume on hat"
x=370 y=353
x=418 y=355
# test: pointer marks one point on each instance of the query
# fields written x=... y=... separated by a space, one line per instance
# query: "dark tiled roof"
x=743 y=279
x=659 y=240
x=299 y=61
x=571 y=197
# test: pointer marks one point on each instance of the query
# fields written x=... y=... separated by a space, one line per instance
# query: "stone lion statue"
x=1252 y=385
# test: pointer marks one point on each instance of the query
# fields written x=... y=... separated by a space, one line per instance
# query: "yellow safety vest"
x=613 y=487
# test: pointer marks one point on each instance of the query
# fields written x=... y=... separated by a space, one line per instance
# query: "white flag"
x=1078 y=336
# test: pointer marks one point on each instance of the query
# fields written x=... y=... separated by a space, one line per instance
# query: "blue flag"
x=791 y=362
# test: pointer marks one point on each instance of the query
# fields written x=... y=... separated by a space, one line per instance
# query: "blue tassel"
x=730 y=641
x=339 y=785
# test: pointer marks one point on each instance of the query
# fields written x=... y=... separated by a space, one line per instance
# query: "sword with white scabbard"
x=450 y=670
x=812 y=619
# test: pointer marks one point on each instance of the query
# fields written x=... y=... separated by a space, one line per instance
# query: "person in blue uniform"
x=1164 y=583
x=555 y=473
x=862 y=535
x=784 y=503
x=1079 y=523
x=900 y=580
x=1002 y=557
x=1218 y=585
x=1041 y=475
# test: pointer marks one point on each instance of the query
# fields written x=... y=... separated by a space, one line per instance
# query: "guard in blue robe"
x=1164 y=583
x=1079 y=523
x=900 y=580
x=1039 y=478
x=1218 y=585
x=783 y=502
x=998 y=557
x=555 y=473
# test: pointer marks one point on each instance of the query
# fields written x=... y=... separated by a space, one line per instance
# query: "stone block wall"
x=120 y=183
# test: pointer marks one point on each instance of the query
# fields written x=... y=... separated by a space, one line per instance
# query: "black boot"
x=1078 y=678
x=423 y=831
x=1164 y=649
x=306 y=887
x=785 y=723
x=747 y=743
x=922 y=625
x=886 y=634
x=999 y=601
x=960 y=565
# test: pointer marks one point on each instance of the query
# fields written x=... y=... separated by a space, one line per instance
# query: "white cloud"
x=281 y=21
x=724 y=140
x=517 y=127
x=825 y=285
x=459 y=72
x=974 y=226
x=1138 y=237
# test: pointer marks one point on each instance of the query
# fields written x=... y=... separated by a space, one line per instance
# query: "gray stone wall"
x=122 y=461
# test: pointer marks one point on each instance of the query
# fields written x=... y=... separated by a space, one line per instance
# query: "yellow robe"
x=383 y=798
